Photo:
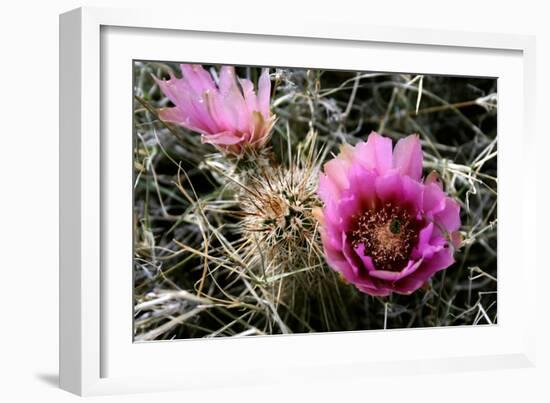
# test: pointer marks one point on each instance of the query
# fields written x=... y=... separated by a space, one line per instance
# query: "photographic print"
x=273 y=200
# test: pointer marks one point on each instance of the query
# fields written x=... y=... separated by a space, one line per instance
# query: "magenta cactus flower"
x=383 y=228
x=229 y=115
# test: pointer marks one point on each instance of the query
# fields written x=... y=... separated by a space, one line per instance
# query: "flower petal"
x=449 y=217
x=222 y=138
x=367 y=260
x=249 y=95
x=336 y=259
x=456 y=239
x=374 y=291
x=396 y=275
x=407 y=156
x=441 y=260
x=433 y=200
x=363 y=183
x=348 y=209
x=433 y=177
x=227 y=79
x=347 y=153
x=389 y=187
x=352 y=258
x=190 y=102
x=264 y=91
x=407 y=285
x=375 y=154
x=336 y=170
x=413 y=192
x=328 y=190
x=223 y=117
x=317 y=212
x=197 y=78
x=360 y=265
x=177 y=116
x=423 y=244
x=233 y=99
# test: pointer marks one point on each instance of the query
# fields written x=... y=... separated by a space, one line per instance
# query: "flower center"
x=388 y=235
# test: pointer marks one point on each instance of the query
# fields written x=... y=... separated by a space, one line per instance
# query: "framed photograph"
x=245 y=204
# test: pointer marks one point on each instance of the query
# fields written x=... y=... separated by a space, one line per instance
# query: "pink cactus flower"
x=227 y=114
x=383 y=228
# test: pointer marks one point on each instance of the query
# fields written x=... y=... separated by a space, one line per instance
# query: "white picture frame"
x=95 y=350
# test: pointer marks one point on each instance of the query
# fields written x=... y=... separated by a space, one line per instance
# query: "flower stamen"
x=388 y=235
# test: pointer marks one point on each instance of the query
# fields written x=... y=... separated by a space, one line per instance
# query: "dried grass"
x=228 y=247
